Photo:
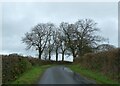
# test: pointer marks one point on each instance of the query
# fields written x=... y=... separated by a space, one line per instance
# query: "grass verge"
x=98 y=77
x=31 y=76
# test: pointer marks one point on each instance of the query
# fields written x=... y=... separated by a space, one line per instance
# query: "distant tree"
x=38 y=37
x=105 y=47
x=14 y=55
x=62 y=40
x=50 y=44
x=69 y=35
x=56 y=43
x=80 y=36
x=87 y=39
x=76 y=38
x=45 y=54
x=50 y=49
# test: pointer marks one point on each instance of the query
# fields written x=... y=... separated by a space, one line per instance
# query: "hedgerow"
x=106 y=62
x=13 y=66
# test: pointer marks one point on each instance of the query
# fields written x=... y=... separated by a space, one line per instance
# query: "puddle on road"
x=67 y=69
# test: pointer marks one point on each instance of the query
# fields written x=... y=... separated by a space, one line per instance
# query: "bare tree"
x=69 y=36
x=56 y=42
x=38 y=37
x=80 y=36
x=63 y=48
x=62 y=41
x=85 y=30
x=50 y=45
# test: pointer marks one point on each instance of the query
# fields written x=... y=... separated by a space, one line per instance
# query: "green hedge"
x=12 y=67
x=107 y=62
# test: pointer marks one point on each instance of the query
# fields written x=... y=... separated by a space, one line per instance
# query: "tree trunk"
x=63 y=56
x=39 y=54
x=74 y=56
x=80 y=51
x=49 y=55
x=56 y=54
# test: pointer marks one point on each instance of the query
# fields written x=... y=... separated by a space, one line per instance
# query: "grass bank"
x=98 y=77
x=31 y=76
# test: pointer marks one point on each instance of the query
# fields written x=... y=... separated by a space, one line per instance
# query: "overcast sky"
x=19 y=18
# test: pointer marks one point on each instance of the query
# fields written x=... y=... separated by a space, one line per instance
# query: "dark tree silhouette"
x=85 y=34
x=77 y=38
x=50 y=44
x=69 y=35
x=56 y=43
x=62 y=40
x=38 y=37
x=81 y=37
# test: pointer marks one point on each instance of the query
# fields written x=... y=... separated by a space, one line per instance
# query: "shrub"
x=12 y=67
x=106 y=62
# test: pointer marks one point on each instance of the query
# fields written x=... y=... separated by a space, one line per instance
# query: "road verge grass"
x=98 y=77
x=31 y=76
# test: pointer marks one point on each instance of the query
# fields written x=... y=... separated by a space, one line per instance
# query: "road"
x=63 y=75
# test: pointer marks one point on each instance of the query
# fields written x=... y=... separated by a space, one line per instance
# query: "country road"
x=62 y=75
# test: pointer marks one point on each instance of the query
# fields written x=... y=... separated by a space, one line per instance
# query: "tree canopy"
x=77 y=38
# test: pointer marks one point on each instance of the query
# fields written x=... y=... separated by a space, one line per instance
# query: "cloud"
x=109 y=29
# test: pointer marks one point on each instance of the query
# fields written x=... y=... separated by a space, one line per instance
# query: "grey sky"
x=19 y=18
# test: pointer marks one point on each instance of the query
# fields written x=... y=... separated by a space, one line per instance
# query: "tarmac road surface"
x=63 y=75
